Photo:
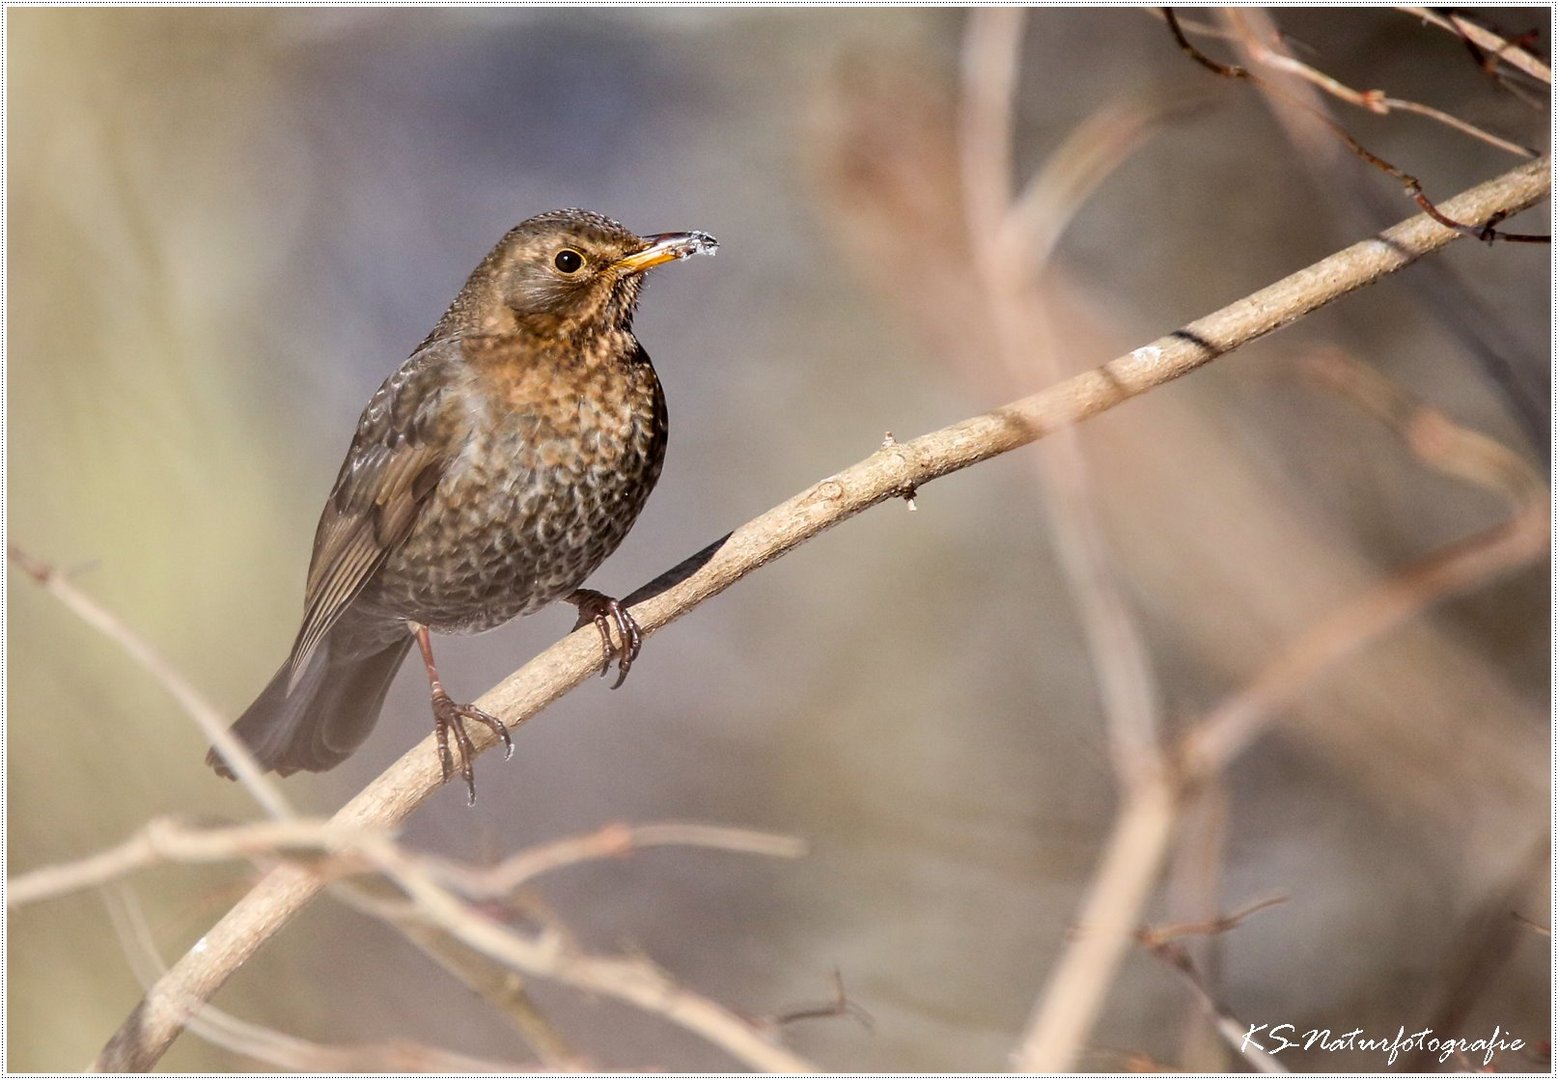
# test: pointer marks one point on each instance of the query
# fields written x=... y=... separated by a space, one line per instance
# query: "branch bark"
x=894 y=471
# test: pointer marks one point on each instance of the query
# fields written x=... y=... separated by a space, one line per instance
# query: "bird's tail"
x=329 y=711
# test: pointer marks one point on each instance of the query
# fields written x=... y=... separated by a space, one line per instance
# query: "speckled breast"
x=545 y=488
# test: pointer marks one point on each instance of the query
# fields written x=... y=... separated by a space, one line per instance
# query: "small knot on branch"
x=908 y=493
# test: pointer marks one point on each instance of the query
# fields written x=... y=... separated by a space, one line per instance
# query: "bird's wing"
x=395 y=461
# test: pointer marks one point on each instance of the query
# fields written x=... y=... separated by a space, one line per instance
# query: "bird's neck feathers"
x=599 y=322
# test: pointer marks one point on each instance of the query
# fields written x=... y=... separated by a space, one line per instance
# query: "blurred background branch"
x=269 y=1046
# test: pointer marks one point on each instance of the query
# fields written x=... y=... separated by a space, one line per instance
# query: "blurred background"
x=226 y=227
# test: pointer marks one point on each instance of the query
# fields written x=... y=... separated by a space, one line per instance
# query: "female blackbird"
x=489 y=476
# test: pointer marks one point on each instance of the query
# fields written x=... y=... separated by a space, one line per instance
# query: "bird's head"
x=565 y=271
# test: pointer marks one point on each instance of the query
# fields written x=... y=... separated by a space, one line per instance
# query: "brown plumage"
x=489 y=476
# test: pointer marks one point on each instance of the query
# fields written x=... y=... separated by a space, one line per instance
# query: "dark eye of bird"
x=568 y=261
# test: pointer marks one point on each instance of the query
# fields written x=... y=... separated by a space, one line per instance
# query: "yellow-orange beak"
x=665 y=247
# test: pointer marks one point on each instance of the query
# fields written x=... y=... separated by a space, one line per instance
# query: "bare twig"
x=1444 y=294
x=1088 y=156
x=1515 y=543
x=1486 y=40
x=165 y=840
x=273 y=1047
x=1229 y=728
x=212 y=723
x=1192 y=893
x=840 y=1005
x=887 y=474
x=1477 y=950
x=992 y=51
x=1162 y=943
x=161 y=841
x=1152 y=937
x=1012 y=242
x=1375 y=101
x=630 y=979
x=1111 y=911
x=1485 y=231
x=609 y=842
x=1437 y=441
x=503 y=989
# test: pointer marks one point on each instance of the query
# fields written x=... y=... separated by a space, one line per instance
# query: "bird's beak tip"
x=666 y=247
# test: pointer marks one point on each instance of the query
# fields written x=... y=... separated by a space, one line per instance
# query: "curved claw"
x=632 y=642
x=605 y=612
x=449 y=717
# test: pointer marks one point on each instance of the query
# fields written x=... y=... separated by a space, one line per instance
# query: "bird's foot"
x=605 y=612
x=450 y=717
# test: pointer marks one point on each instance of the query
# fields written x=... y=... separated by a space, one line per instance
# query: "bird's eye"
x=568 y=261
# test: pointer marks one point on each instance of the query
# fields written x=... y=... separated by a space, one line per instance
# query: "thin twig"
x=887 y=474
x=1433 y=437
x=1013 y=248
x=1486 y=40
x=213 y=725
x=166 y=840
x=992 y=53
x=1451 y=120
x=1230 y=728
x=1087 y=156
x=273 y=1047
x=1012 y=243
x=839 y=1006
x=1233 y=1031
x=1414 y=187
x=630 y=979
x=1164 y=933
x=1476 y=952
x=608 y=842
x=502 y=988
x=1192 y=892
x=169 y=840
x=1111 y=910
x=159 y=843
x=1375 y=101
x=1445 y=446
x=1444 y=293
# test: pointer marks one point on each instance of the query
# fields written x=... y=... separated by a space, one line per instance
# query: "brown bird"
x=489 y=476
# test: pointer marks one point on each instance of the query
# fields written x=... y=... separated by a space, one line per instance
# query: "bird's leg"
x=447 y=717
x=605 y=611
